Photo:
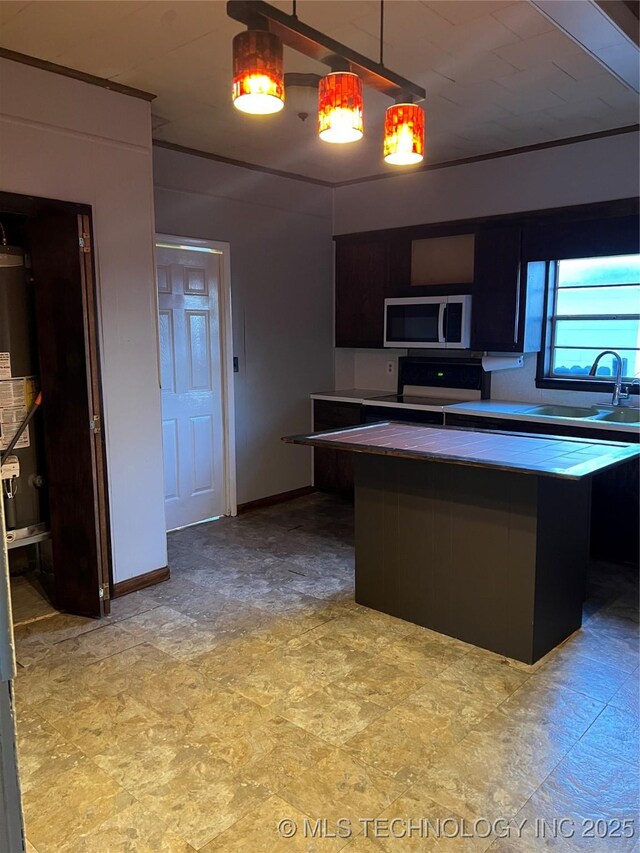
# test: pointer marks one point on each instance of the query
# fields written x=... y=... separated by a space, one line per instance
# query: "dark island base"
x=495 y=558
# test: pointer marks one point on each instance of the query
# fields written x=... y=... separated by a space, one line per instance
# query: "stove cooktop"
x=414 y=400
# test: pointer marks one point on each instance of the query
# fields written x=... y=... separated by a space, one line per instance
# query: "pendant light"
x=404 y=135
x=258 y=80
x=340 y=107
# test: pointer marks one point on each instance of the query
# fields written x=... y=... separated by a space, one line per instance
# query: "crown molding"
x=430 y=167
x=64 y=71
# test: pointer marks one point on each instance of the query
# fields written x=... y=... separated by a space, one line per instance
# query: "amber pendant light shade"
x=340 y=107
x=404 y=135
x=258 y=79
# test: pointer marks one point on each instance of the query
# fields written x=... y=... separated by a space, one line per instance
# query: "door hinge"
x=103 y=592
x=94 y=423
x=85 y=242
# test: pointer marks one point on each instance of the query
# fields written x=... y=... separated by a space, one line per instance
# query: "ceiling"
x=498 y=75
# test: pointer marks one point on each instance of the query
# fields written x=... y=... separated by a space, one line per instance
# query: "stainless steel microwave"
x=421 y=322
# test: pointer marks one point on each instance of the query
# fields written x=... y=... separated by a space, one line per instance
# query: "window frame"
x=544 y=377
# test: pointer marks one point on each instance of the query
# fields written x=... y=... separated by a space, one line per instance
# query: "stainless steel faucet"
x=620 y=392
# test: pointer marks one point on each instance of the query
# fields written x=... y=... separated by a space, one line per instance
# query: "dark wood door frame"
x=33 y=207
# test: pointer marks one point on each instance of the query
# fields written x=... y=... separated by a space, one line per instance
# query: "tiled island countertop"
x=548 y=455
x=474 y=547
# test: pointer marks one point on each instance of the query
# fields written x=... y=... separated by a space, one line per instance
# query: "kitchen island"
x=480 y=535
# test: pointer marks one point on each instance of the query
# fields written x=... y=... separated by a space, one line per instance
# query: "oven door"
x=415 y=323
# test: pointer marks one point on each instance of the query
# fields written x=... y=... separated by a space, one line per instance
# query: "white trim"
x=226 y=356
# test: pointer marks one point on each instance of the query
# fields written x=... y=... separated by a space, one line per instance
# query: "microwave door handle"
x=441 y=321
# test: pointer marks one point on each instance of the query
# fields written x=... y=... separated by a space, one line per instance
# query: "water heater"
x=22 y=485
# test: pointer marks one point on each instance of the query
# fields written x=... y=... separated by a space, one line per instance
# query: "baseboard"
x=141 y=581
x=280 y=498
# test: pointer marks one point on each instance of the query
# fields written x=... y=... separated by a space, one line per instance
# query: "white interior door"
x=191 y=327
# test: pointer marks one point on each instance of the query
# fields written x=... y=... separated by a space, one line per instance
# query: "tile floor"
x=250 y=688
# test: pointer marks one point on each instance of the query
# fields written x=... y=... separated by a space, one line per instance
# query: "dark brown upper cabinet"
x=361 y=281
x=511 y=257
x=508 y=295
x=368 y=271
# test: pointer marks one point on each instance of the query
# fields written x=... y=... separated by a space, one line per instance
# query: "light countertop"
x=503 y=409
x=350 y=395
x=517 y=411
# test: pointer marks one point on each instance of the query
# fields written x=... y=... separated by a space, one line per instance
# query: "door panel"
x=198 y=347
x=167 y=350
x=69 y=375
x=171 y=466
x=203 y=464
x=190 y=358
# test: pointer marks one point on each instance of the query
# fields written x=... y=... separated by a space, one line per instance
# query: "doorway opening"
x=196 y=371
x=54 y=488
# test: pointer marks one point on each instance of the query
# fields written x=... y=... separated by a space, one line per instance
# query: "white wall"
x=281 y=270
x=596 y=170
x=581 y=173
x=64 y=139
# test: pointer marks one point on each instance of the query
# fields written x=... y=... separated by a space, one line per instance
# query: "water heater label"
x=5 y=365
x=10 y=420
x=12 y=393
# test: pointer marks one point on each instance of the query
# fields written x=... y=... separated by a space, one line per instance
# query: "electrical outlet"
x=391 y=368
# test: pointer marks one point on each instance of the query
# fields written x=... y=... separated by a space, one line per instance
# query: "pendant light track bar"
x=316 y=45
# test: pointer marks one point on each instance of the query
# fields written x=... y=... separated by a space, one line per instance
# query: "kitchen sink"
x=562 y=411
x=620 y=416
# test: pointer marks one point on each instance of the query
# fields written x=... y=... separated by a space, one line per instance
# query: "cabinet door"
x=361 y=275
x=333 y=469
x=495 y=315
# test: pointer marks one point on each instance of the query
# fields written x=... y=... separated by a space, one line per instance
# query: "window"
x=594 y=306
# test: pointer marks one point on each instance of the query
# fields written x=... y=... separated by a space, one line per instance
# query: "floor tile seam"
x=100 y=626
x=590 y=630
x=543 y=781
x=79 y=665
x=330 y=744
x=136 y=801
x=561 y=689
x=122 y=693
x=579 y=692
x=611 y=756
x=420 y=781
x=192 y=661
x=623 y=637
x=116 y=620
x=96 y=769
x=500 y=704
x=115 y=654
x=358 y=756
x=587 y=657
x=315 y=817
x=527 y=676
x=336 y=683
x=604 y=753
x=143 y=627
x=65 y=639
x=219 y=834
x=634 y=713
x=65 y=738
